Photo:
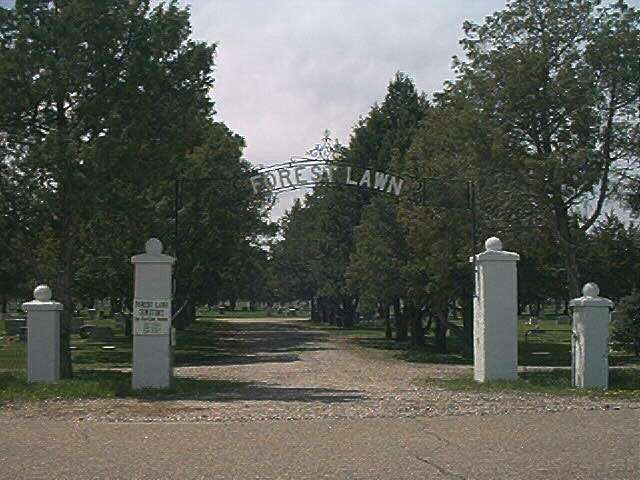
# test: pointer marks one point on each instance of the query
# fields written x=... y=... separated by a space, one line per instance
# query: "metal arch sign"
x=301 y=173
x=324 y=166
x=305 y=173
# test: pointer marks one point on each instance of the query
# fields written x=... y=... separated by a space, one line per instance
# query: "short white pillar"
x=152 y=352
x=43 y=336
x=495 y=314
x=591 y=316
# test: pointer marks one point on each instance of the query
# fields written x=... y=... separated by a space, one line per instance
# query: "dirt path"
x=277 y=369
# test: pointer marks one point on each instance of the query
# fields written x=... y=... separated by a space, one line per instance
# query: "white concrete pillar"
x=495 y=314
x=591 y=316
x=43 y=336
x=152 y=351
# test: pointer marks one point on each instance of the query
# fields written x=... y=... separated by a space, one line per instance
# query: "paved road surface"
x=571 y=445
x=301 y=404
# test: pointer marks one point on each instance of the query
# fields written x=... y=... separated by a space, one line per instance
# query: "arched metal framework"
x=323 y=169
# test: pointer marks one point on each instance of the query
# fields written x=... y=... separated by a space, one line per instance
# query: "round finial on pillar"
x=591 y=289
x=42 y=293
x=153 y=246
x=494 y=244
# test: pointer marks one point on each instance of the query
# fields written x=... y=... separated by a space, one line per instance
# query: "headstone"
x=43 y=345
x=76 y=323
x=591 y=316
x=495 y=314
x=152 y=351
x=85 y=330
x=12 y=326
x=101 y=333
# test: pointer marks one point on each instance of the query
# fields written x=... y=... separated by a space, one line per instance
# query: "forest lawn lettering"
x=301 y=176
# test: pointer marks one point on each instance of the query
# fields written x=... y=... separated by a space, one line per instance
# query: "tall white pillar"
x=591 y=316
x=43 y=336
x=495 y=314
x=152 y=351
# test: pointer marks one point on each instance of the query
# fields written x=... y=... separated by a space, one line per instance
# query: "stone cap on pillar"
x=494 y=253
x=42 y=301
x=590 y=297
x=153 y=253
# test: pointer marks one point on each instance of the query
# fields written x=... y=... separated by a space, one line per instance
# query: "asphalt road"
x=568 y=445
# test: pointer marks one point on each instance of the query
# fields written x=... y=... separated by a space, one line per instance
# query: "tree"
x=380 y=142
x=18 y=216
x=611 y=255
x=377 y=262
x=101 y=100
x=626 y=326
x=558 y=82
x=293 y=257
x=220 y=220
x=445 y=149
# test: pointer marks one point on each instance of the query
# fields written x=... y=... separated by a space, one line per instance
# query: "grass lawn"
x=623 y=383
x=194 y=346
x=550 y=348
x=205 y=313
x=103 y=384
x=91 y=362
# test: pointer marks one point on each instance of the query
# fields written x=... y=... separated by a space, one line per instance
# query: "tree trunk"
x=324 y=315
x=66 y=368
x=442 y=314
x=427 y=327
x=467 y=323
x=314 y=313
x=349 y=309
x=401 y=324
x=192 y=314
x=182 y=312
x=568 y=246
x=417 y=331
x=128 y=326
x=388 y=334
x=67 y=241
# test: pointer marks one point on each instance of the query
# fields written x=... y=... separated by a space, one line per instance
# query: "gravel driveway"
x=280 y=369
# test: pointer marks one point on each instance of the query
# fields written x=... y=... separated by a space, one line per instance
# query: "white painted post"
x=591 y=316
x=495 y=314
x=43 y=336
x=152 y=352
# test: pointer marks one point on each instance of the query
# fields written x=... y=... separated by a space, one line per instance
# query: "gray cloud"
x=289 y=69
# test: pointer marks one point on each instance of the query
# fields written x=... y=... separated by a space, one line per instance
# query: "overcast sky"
x=288 y=70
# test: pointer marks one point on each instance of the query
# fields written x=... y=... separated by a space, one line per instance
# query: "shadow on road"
x=244 y=342
x=256 y=392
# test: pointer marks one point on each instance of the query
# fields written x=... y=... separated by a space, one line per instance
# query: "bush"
x=626 y=326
